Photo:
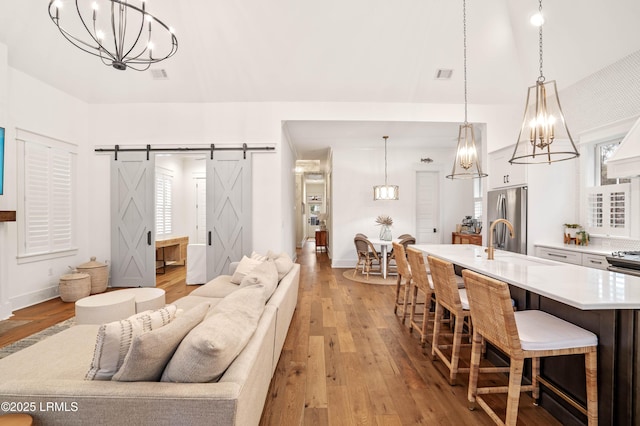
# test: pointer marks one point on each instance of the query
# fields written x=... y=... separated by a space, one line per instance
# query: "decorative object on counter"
x=98 y=272
x=74 y=286
x=466 y=164
x=385 y=192
x=106 y=33
x=582 y=238
x=570 y=232
x=385 y=223
x=543 y=125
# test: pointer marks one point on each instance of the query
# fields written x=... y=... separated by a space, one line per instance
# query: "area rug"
x=35 y=338
x=373 y=279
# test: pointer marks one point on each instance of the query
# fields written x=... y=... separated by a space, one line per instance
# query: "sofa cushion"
x=220 y=286
x=245 y=266
x=283 y=263
x=114 y=339
x=206 y=352
x=257 y=256
x=151 y=351
x=265 y=274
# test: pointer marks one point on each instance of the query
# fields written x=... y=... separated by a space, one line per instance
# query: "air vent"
x=159 y=74
x=443 y=74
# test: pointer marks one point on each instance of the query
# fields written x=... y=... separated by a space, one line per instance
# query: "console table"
x=321 y=240
x=171 y=251
x=460 y=238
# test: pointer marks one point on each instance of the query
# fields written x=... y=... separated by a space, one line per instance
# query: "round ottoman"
x=105 y=307
x=147 y=298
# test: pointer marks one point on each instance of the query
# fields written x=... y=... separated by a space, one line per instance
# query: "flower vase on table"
x=385 y=223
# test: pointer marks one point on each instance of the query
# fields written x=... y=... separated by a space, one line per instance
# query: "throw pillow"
x=257 y=256
x=265 y=274
x=114 y=339
x=151 y=351
x=283 y=263
x=206 y=352
x=245 y=266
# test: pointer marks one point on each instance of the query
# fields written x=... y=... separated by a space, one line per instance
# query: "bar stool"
x=404 y=280
x=453 y=299
x=520 y=335
x=420 y=283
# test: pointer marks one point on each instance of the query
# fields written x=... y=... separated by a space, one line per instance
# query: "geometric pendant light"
x=544 y=136
x=466 y=164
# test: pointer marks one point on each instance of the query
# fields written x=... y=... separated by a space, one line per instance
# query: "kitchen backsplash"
x=615 y=244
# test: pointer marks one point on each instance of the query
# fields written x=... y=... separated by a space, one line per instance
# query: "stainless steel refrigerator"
x=510 y=204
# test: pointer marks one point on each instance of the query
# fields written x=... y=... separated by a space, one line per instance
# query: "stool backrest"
x=401 y=260
x=491 y=311
x=419 y=270
x=444 y=283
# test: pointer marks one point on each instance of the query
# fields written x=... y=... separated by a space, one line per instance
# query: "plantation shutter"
x=164 y=182
x=608 y=210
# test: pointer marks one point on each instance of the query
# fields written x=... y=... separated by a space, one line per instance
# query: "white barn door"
x=132 y=221
x=228 y=210
x=427 y=208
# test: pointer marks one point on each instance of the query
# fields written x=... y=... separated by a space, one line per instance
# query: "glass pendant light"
x=544 y=136
x=466 y=165
x=385 y=192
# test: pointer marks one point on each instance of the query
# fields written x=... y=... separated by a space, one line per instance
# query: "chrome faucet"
x=490 y=248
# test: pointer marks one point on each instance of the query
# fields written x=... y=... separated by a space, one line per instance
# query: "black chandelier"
x=121 y=38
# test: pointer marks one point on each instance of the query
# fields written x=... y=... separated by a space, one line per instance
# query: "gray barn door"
x=228 y=210
x=132 y=221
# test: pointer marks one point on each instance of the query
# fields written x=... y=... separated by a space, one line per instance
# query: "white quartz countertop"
x=578 y=286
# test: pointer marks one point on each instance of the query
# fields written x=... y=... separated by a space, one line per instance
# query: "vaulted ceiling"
x=335 y=50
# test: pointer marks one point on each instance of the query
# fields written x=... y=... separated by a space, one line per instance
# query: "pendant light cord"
x=541 y=77
x=385 y=159
x=464 y=38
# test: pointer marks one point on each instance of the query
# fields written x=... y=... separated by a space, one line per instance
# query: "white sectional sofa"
x=47 y=380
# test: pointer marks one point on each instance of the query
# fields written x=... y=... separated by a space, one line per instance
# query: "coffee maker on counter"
x=471 y=225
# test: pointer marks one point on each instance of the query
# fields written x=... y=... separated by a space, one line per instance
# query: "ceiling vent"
x=159 y=74
x=443 y=74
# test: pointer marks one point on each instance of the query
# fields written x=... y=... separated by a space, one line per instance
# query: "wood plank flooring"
x=347 y=360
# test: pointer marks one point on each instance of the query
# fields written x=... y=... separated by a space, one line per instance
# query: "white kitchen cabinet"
x=594 y=261
x=502 y=173
x=573 y=256
x=566 y=256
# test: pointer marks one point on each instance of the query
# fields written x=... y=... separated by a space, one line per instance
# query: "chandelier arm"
x=96 y=51
x=135 y=43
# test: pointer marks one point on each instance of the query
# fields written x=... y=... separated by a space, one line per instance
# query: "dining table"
x=384 y=249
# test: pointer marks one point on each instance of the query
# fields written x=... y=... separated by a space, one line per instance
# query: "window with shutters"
x=47 y=196
x=164 y=181
x=608 y=200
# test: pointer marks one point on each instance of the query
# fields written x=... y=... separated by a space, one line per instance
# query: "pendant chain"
x=464 y=31
x=541 y=78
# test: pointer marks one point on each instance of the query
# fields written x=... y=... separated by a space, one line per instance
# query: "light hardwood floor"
x=347 y=360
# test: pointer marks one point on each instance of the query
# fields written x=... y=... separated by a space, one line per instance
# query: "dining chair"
x=368 y=257
x=405 y=241
x=520 y=335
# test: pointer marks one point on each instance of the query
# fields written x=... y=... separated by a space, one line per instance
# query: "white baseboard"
x=5 y=311
x=33 y=298
x=343 y=263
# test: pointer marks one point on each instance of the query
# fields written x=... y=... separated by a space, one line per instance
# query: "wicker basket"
x=75 y=286
x=99 y=275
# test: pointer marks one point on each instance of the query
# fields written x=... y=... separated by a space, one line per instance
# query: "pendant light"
x=385 y=192
x=466 y=164
x=544 y=136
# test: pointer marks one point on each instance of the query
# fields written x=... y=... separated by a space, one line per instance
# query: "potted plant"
x=571 y=229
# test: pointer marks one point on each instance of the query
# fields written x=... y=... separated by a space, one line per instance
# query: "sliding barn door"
x=132 y=221
x=228 y=210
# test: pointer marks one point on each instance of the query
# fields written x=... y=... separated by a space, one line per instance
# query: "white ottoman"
x=146 y=298
x=105 y=307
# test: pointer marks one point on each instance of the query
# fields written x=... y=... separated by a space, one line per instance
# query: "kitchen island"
x=606 y=303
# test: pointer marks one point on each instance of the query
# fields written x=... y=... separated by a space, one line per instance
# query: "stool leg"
x=474 y=368
x=591 y=367
x=455 y=350
x=398 y=282
x=513 y=398
x=414 y=300
x=535 y=373
x=436 y=329
x=407 y=293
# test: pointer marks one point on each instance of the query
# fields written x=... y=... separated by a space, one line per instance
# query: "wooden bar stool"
x=403 y=283
x=453 y=299
x=420 y=283
x=524 y=334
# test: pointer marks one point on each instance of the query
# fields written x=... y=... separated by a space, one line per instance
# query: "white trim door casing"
x=228 y=210
x=132 y=220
